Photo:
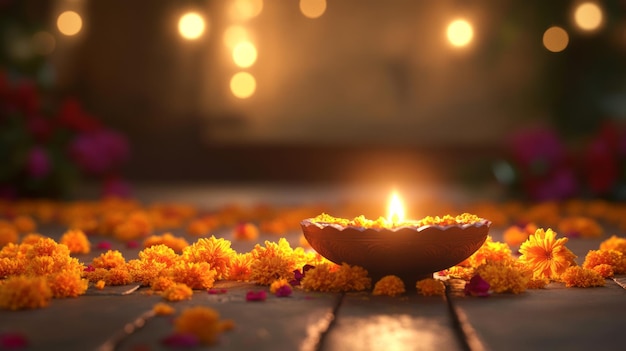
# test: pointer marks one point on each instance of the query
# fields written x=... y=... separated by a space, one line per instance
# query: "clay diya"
x=412 y=249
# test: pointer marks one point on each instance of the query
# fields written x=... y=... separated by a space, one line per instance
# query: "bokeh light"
x=244 y=54
x=191 y=25
x=243 y=85
x=69 y=23
x=43 y=43
x=244 y=10
x=234 y=35
x=460 y=32
x=588 y=16
x=312 y=8
x=555 y=39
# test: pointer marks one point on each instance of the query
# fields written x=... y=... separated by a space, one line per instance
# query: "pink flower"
x=13 y=341
x=181 y=340
x=216 y=291
x=133 y=244
x=477 y=286
x=256 y=295
x=298 y=275
x=104 y=245
x=115 y=186
x=99 y=152
x=283 y=291
x=38 y=164
x=89 y=268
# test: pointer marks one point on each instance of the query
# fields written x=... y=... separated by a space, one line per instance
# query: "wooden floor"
x=555 y=318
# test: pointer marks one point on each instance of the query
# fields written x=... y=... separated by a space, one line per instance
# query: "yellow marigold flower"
x=202 y=322
x=580 y=226
x=24 y=224
x=160 y=254
x=490 y=251
x=196 y=275
x=100 y=284
x=76 y=241
x=614 y=243
x=144 y=272
x=96 y=274
x=351 y=278
x=161 y=283
x=47 y=257
x=614 y=258
x=319 y=278
x=246 y=231
x=389 y=285
x=20 y=292
x=67 y=284
x=277 y=284
x=267 y=269
x=465 y=273
x=516 y=235
x=580 y=277
x=241 y=267
x=430 y=287
x=175 y=243
x=8 y=234
x=505 y=277
x=198 y=227
x=545 y=255
x=216 y=252
x=163 y=309
x=177 y=292
x=109 y=259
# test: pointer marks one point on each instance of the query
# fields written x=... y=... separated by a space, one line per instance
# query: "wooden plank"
x=410 y=322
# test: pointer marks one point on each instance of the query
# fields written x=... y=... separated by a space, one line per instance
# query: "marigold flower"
x=614 y=258
x=580 y=226
x=162 y=309
x=25 y=224
x=246 y=231
x=605 y=270
x=216 y=252
x=490 y=251
x=319 y=278
x=118 y=276
x=100 y=284
x=240 y=267
x=177 y=292
x=504 y=277
x=465 y=273
x=545 y=255
x=144 y=272
x=516 y=235
x=537 y=283
x=67 y=284
x=196 y=275
x=430 y=287
x=299 y=274
x=8 y=234
x=21 y=292
x=136 y=225
x=109 y=259
x=31 y=238
x=76 y=241
x=160 y=254
x=614 y=243
x=202 y=322
x=351 y=278
x=389 y=285
x=281 y=288
x=198 y=227
x=267 y=269
x=175 y=243
x=580 y=277
x=161 y=283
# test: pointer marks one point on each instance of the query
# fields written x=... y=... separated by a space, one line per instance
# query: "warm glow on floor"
x=243 y=85
x=234 y=35
x=555 y=39
x=244 y=54
x=460 y=33
x=312 y=8
x=191 y=25
x=588 y=16
x=69 y=23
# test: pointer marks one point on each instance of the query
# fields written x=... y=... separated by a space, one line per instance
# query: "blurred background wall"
x=322 y=90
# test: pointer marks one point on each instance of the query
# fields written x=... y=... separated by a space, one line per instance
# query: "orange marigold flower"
x=580 y=226
x=505 y=277
x=545 y=255
x=614 y=258
x=605 y=270
x=537 y=283
x=67 y=284
x=177 y=292
x=196 y=275
x=267 y=269
x=389 y=285
x=465 y=273
x=216 y=252
x=202 y=322
x=21 y=292
x=25 y=224
x=136 y=225
x=516 y=235
x=241 y=267
x=430 y=287
x=144 y=272
x=350 y=278
x=162 y=309
x=319 y=278
x=614 y=243
x=161 y=283
x=76 y=241
x=118 y=276
x=278 y=284
x=580 y=277
x=246 y=231
x=31 y=238
x=109 y=259
x=10 y=266
x=96 y=274
x=175 y=243
x=160 y=254
x=100 y=284
x=8 y=234
x=198 y=227
x=490 y=251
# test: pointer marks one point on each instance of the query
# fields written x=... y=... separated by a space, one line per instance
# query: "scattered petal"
x=13 y=341
x=104 y=245
x=216 y=291
x=181 y=340
x=256 y=295
x=477 y=286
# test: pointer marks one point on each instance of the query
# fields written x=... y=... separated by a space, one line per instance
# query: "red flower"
x=72 y=116
x=477 y=286
x=256 y=295
x=99 y=152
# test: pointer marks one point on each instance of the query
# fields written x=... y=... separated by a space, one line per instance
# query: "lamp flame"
x=395 y=212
